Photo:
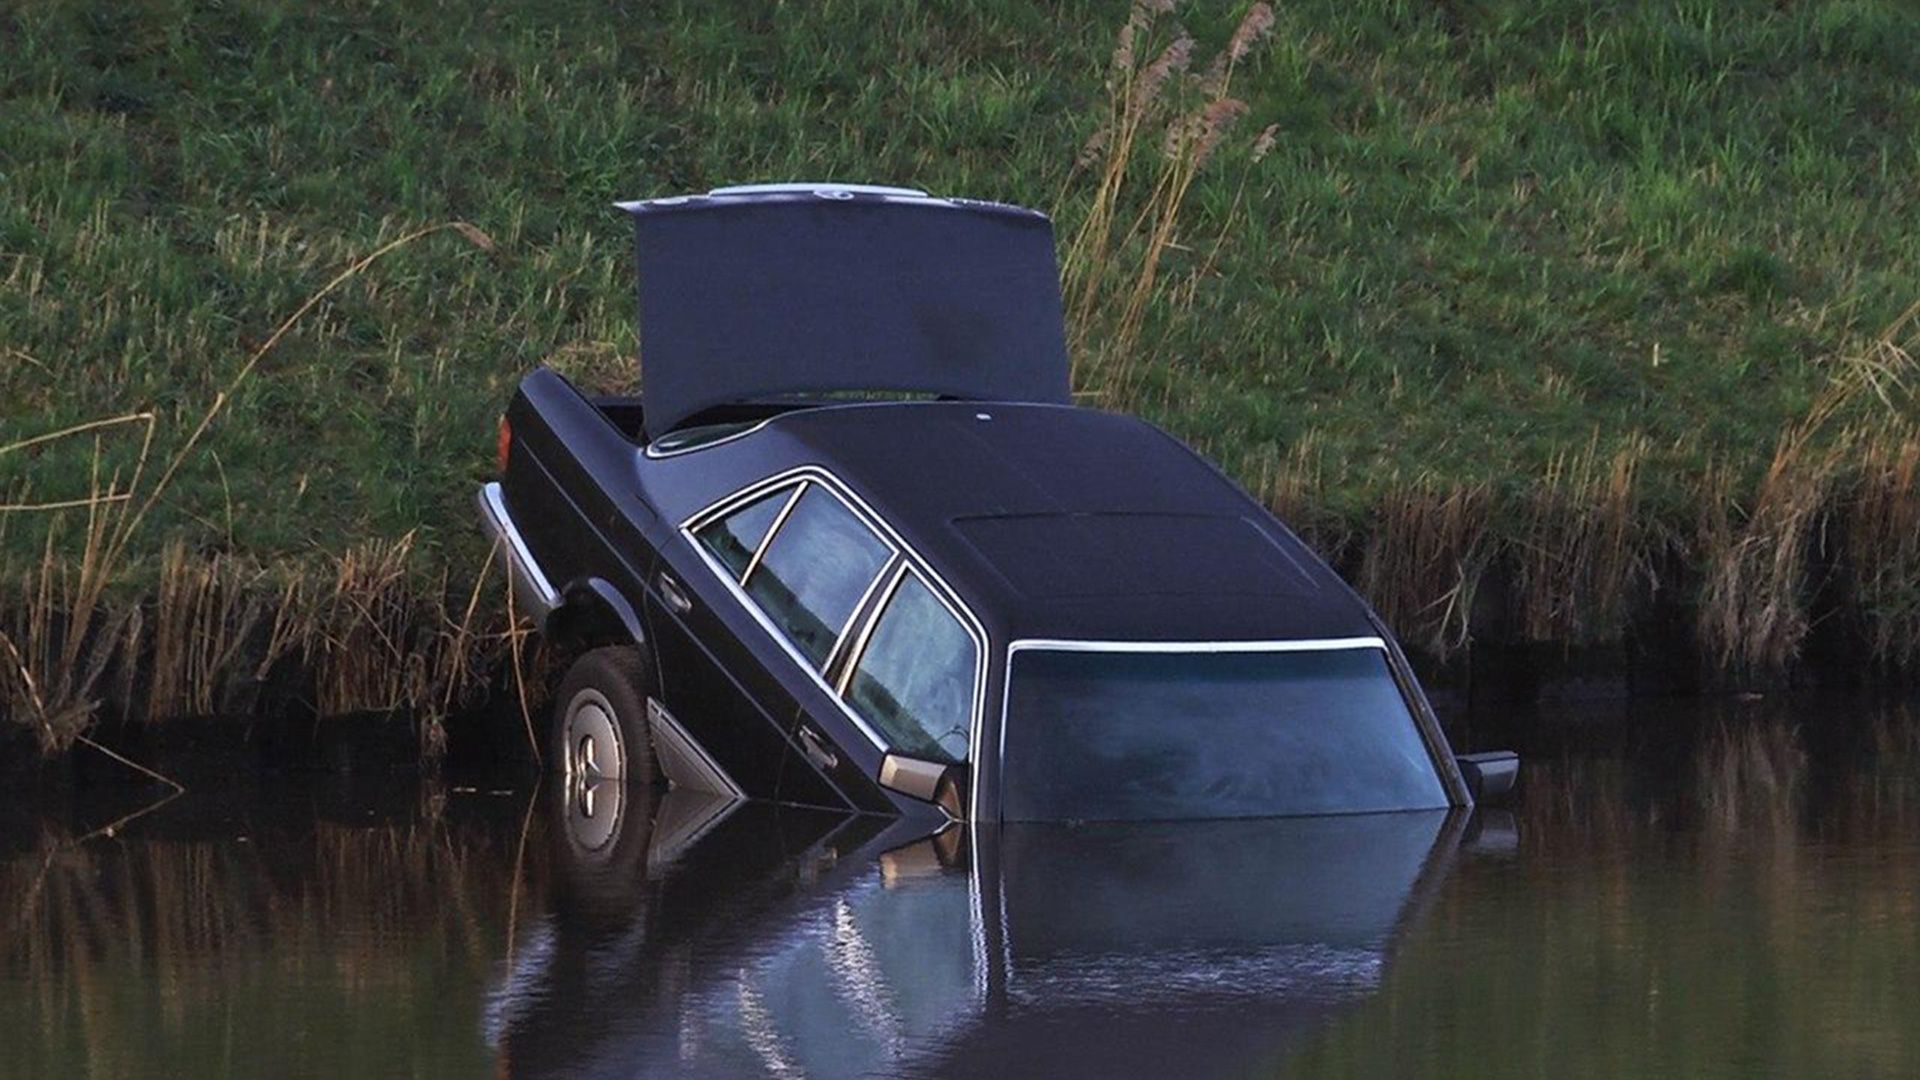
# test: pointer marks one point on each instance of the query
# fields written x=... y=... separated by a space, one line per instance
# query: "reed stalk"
x=1112 y=266
x=1883 y=547
x=1580 y=549
x=1424 y=560
x=1753 y=608
x=49 y=682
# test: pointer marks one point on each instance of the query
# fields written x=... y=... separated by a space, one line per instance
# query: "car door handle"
x=675 y=596
x=813 y=744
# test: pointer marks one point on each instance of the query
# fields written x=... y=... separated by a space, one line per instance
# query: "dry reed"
x=1753 y=608
x=1424 y=560
x=1581 y=549
x=1112 y=267
x=53 y=658
x=1291 y=485
x=1753 y=600
x=205 y=613
x=1883 y=546
x=1883 y=521
x=364 y=656
x=371 y=634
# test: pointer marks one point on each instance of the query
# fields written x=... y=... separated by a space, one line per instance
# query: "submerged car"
x=854 y=546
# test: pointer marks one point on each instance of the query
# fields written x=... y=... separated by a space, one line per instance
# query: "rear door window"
x=914 y=679
x=735 y=538
x=815 y=570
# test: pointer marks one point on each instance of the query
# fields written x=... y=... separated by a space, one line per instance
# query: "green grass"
x=1489 y=233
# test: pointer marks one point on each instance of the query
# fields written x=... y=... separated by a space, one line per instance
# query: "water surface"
x=1734 y=895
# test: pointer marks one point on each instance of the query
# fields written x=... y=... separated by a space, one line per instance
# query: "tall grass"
x=1883 y=540
x=1531 y=294
x=1424 y=561
x=1753 y=608
x=74 y=632
x=1582 y=552
x=1164 y=122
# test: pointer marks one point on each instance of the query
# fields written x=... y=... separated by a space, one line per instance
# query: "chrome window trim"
x=779 y=519
x=859 y=647
x=773 y=529
x=661 y=455
x=1289 y=645
x=968 y=620
x=890 y=571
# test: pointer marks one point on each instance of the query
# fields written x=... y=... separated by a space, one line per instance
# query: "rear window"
x=734 y=539
x=1139 y=736
x=815 y=570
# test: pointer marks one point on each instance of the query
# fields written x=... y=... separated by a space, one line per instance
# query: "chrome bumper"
x=533 y=594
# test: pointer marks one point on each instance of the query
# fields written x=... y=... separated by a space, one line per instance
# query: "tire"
x=599 y=730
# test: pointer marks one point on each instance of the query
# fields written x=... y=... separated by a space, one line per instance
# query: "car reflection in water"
x=690 y=936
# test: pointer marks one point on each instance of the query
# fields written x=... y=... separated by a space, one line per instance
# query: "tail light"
x=506 y=443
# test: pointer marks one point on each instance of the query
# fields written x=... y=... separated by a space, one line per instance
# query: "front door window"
x=914 y=680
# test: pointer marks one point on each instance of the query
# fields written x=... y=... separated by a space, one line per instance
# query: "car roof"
x=1056 y=522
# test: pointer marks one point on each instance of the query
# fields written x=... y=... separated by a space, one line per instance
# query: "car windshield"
x=1144 y=736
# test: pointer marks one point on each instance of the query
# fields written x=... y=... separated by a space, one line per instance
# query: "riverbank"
x=1581 y=341
x=359 y=672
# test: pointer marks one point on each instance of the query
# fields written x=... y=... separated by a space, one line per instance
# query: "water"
x=1750 y=906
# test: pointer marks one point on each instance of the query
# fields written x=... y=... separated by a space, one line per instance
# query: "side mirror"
x=930 y=781
x=1490 y=776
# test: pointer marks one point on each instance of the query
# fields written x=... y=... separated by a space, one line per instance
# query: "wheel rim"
x=594 y=812
x=592 y=745
x=595 y=762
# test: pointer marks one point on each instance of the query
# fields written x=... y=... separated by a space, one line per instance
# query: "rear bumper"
x=533 y=594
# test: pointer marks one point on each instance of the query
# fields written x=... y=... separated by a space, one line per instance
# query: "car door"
x=713 y=687
x=782 y=573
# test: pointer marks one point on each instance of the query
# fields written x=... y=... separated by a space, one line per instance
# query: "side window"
x=815 y=571
x=733 y=539
x=914 y=679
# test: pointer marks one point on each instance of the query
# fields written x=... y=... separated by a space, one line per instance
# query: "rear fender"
x=592 y=612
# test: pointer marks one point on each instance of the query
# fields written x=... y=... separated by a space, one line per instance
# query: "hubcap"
x=595 y=768
x=593 y=748
x=586 y=762
x=594 y=811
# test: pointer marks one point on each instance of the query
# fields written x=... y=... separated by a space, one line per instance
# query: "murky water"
x=1749 y=907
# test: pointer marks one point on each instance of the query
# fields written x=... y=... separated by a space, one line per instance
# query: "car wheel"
x=600 y=720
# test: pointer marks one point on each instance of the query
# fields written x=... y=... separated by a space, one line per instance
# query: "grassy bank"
x=1586 y=304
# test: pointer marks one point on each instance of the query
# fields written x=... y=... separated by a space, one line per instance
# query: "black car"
x=853 y=546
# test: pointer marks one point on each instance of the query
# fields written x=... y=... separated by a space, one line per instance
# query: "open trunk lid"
x=752 y=293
